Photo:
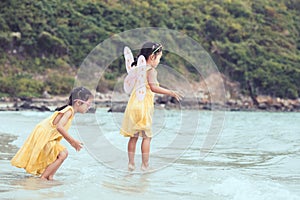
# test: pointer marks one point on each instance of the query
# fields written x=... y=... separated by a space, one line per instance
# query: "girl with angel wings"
x=141 y=82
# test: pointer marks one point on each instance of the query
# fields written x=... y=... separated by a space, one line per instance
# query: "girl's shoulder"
x=67 y=109
x=66 y=112
x=149 y=68
x=151 y=71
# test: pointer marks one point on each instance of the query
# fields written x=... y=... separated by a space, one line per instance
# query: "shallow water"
x=257 y=156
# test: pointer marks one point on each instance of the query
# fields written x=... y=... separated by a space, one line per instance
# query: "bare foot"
x=131 y=167
x=43 y=178
x=144 y=167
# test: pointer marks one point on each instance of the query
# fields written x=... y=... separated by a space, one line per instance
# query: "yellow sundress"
x=138 y=114
x=42 y=146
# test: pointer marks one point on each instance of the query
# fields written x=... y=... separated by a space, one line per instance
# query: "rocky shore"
x=222 y=94
x=117 y=103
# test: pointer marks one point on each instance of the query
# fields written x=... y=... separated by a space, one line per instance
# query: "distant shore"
x=117 y=103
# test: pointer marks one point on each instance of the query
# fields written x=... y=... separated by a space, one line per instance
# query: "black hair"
x=147 y=50
x=77 y=93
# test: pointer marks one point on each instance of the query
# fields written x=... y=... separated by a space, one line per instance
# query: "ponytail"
x=60 y=108
x=134 y=62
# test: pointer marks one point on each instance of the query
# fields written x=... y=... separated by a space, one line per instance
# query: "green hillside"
x=254 y=42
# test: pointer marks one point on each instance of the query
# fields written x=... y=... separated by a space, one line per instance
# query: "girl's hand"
x=176 y=95
x=77 y=145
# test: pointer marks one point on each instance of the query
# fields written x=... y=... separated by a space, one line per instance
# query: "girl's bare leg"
x=131 y=152
x=65 y=152
x=52 y=168
x=145 y=152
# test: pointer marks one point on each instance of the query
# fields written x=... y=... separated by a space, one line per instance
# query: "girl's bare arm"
x=60 y=128
x=153 y=83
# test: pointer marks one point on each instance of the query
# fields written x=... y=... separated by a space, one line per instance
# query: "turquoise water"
x=256 y=156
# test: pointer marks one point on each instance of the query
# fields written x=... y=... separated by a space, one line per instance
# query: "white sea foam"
x=245 y=188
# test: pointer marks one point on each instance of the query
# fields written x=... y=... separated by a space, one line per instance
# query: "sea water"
x=248 y=155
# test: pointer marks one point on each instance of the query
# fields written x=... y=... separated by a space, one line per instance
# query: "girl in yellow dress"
x=137 y=119
x=42 y=154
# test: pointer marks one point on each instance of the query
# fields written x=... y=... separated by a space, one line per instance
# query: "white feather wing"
x=141 y=78
x=128 y=58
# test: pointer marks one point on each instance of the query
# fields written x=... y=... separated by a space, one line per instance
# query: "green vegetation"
x=254 y=42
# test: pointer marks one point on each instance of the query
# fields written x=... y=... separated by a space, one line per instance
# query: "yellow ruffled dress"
x=42 y=146
x=138 y=114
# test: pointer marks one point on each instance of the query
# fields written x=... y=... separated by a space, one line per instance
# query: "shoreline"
x=117 y=103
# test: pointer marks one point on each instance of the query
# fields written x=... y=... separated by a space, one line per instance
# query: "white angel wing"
x=131 y=77
x=136 y=77
x=130 y=81
x=128 y=58
x=140 y=85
